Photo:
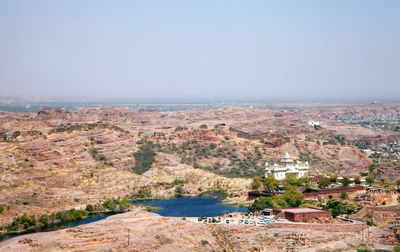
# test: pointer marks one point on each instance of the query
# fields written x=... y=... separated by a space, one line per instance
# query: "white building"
x=285 y=166
x=313 y=123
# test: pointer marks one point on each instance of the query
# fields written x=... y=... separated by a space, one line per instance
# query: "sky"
x=342 y=50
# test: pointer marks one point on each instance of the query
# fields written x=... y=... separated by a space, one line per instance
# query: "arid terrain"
x=175 y=234
x=56 y=160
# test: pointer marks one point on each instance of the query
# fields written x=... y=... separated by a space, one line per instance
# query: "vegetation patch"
x=144 y=158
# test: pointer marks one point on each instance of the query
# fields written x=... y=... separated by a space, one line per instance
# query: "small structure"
x=301 y=214
x=285 y=166
x=267 y=212
x=313 y=123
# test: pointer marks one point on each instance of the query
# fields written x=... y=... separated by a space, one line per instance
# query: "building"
x=287 y=165
x=313 y=123
x=301 y=214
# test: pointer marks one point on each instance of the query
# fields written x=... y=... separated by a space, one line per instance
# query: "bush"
x=178 y=190
x=363 y=250
x=89 y=208
x=256 y=184
x=178 y=181
x=345 y=181
x=370 y=179
x=371 y=168
x=44 y=219
x=109 y=204
x=338 y=208
x=323 y=182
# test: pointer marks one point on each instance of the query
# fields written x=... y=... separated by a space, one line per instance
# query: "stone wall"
x=335 y=192
x=350 y=227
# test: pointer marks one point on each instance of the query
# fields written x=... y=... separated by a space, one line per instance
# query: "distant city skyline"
x=206 y=51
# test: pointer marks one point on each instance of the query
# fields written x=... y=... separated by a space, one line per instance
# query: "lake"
x=174 y=207
x=190 y=207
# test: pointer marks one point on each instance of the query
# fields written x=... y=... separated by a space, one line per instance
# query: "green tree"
x=292 y=196
x=262 y=203
x=332 y=178
x=371 y=168
x=271 y=182
x=178 y=190
x=357 y=180
x=396 y=248
x=290 y=180
x=370 y=180
x=89 y=208
x=345 y=181
x=44 y=219
x=178 y=181
x=398 y=182
x=109 y=204
x=256 y=184
x=323 y=182
x=343 y=195
x=338 y=208
x=305 y=181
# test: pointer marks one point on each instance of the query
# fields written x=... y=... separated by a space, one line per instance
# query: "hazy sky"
x=211 y=49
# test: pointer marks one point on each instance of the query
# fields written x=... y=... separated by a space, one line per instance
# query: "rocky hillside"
x=59 y=159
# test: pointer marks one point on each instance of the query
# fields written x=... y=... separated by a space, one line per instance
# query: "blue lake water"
x=174 y=207
x=191 y=207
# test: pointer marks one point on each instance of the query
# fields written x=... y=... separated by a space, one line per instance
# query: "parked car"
x=280 y=219
x=240 y=221
x=227 y=221
x=246 y=222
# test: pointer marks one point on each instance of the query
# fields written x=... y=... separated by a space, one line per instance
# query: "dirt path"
x=217 y=232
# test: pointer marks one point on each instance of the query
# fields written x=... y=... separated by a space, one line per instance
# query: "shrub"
x=396 y=248
x=339 y=208
x=89 y=208
x=363 y=250
x=178 y=181
x=109 y=204
x=345 y=181
x=256 y=184
x=44 y=219
x=369 y=179
x=178 y=190
x=371 y=168
x=323 y=182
